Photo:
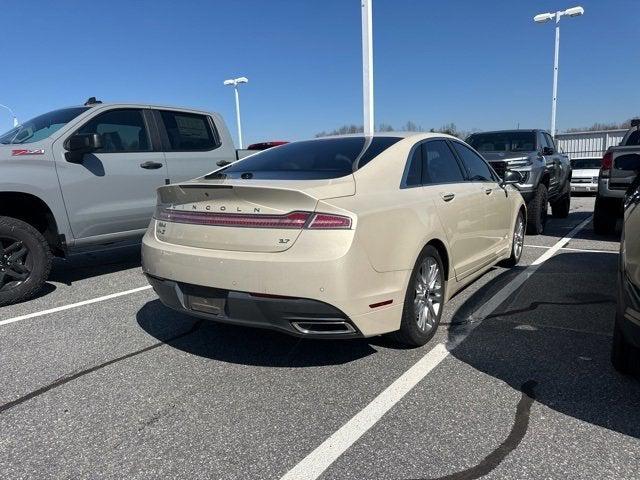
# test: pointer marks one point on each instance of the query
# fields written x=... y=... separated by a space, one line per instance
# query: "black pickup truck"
x=620 y=167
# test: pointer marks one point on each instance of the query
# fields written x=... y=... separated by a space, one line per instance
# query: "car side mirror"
x=547 y=151
x=223 y=163
x=511 y=177
x=80 y=144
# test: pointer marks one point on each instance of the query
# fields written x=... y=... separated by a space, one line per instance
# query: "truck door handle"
x=447 y=197
x=151 y=165
x=488 y=191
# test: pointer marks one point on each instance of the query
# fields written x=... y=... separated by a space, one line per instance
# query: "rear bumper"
x=335 y=282
x=605 y=190
x=584 y=187
x=295 y=316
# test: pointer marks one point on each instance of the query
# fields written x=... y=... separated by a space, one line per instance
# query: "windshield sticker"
x=38 y=151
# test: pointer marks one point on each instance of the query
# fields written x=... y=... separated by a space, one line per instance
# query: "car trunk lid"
x=242 y=215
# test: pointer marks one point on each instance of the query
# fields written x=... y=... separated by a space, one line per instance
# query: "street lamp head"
x=574 y=11
x=543 y=17
x=236 y=81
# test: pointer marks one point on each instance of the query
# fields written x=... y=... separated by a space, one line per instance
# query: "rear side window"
x=414 y=169
x=439 y=165
x=307 y=160
x=478 y=169
x=375 y=148
x=188 y=132
x=121 y=131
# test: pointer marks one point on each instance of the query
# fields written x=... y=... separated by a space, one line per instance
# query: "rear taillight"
x=607 y=163
x=325 y=221
x=293 y=220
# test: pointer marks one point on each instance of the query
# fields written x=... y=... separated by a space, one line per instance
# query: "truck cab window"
x=121 y=131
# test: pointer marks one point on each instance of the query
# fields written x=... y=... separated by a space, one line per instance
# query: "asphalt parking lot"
x=125 y=388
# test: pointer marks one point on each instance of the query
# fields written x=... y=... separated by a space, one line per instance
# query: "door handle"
x=488 y=191
x=447 y=197
x=151 y=165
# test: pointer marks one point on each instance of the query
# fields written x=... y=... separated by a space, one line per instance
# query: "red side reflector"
x=381 y=304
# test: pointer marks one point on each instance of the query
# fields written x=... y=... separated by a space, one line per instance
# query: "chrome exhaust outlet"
x=329 y=327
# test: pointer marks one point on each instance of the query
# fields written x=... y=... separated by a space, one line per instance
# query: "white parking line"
x=312 y=466
x=582 y=250
x=73 y=305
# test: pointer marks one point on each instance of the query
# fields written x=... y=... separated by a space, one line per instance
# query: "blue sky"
x=479 y=64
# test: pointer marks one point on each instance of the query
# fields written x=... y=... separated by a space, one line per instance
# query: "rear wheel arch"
x=444 y=255
x=34 y=211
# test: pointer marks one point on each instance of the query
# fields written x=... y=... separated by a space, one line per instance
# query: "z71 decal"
x=38 y=151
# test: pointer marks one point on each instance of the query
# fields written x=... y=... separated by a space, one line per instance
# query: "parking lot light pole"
x=15 y=119
x=543 y=18
x=367 y=67
x=235 y=82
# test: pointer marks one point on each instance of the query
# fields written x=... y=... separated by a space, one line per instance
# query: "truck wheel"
x=25 y=261
x=537 y=209
x=624 y=356
x=605 y=216
x=560 y=209
x=423 y=301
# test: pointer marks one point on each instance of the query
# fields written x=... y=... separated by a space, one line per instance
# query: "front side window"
x=439 y=165
x=41 y=127
x=478 y=169
x=121 y=131
x=510 y=141
x=188 y=132
x=550 y=141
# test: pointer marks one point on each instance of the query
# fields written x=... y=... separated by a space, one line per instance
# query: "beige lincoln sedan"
x=339 y=237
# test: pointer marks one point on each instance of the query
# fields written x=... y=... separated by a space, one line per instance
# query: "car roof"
x=392 y=134
x=140 y=105
x=526 y=130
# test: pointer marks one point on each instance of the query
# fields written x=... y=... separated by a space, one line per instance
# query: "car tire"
x=560 y=209
x=517 y=242
x=605 y=216
x=25 y=261
x=538 y=209
x=624 y=356
x=418 y=324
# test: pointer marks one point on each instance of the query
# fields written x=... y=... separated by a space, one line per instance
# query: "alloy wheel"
x=15 y=264
x=428 y=294
x=518 y=237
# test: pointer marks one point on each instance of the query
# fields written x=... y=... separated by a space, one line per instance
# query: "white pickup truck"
x=86 y=176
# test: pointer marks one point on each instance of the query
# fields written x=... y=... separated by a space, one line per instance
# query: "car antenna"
x=92 y=101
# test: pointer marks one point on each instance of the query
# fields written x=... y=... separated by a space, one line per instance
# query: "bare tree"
x=601 y=126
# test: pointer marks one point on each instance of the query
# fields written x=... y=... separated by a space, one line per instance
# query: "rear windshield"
x=586 y=163
x=309 y=160
x=41 y=127
x=503 y=141
x=633 y=138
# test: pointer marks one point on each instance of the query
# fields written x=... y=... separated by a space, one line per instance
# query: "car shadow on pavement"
x=247 y=346
x=93 y=264
x=556 y=330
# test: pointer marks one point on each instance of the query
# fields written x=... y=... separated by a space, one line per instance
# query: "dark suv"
x=545 y=171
